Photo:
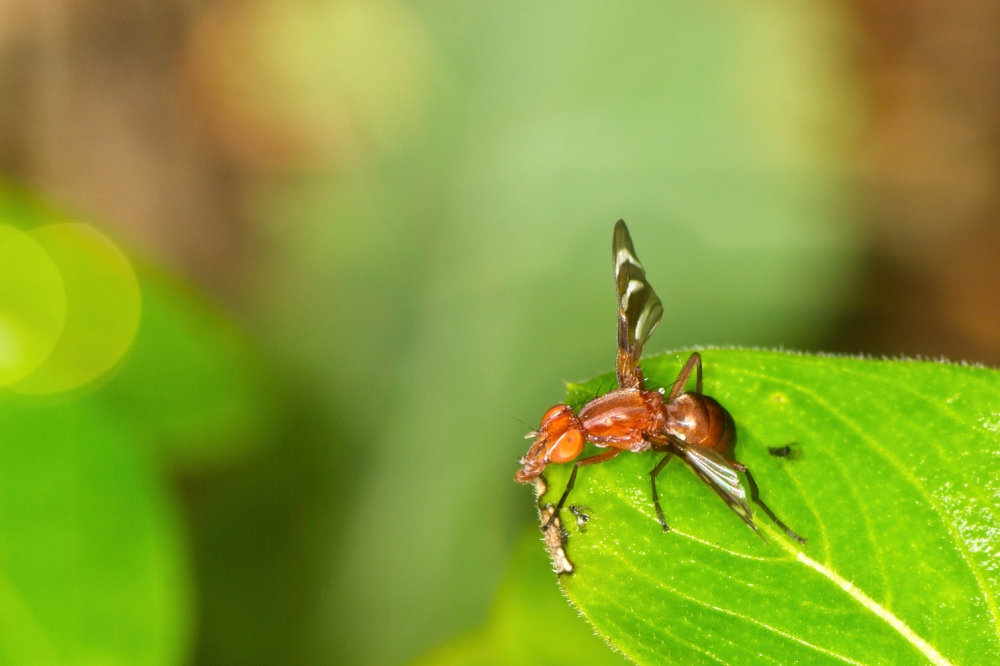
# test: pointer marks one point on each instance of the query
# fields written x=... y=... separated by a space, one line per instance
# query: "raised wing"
x=717 y=473
x=639 y=308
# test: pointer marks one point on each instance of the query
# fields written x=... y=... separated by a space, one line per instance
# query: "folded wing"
x=715 y=471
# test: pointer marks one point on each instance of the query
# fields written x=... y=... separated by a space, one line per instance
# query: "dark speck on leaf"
x=786 y=451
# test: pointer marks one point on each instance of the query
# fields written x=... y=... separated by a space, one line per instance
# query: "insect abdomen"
x=700 y=419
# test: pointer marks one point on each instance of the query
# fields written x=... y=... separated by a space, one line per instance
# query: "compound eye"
x=567 y=447
x=552 y=413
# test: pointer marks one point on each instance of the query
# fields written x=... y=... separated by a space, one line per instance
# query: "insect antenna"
x=521 y=422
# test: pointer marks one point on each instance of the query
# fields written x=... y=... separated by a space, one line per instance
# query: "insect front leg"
x=656 y=498
x=755 y=498
x=592 y=460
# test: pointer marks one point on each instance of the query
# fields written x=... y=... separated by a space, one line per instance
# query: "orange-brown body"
x=623 y=419
x=696 y=418
x=620 y=418
x=690 y=425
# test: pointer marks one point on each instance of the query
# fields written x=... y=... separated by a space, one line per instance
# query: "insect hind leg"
x=755 y=498
x=694 y=361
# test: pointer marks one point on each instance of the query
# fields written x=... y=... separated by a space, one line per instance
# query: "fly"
x=687 y=424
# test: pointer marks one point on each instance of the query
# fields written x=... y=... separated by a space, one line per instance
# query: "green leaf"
x=192 y=381
x=93 y=565
x=895 y=485
x=531 y=623
x=92 y=569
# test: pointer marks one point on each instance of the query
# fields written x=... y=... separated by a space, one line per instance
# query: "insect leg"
x=682 y=378
x=656 y=498
x=592 y=460
x=755 y=497
x=697 y=384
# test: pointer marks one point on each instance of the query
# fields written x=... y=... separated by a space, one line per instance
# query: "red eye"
x=552 y=413
x=567 y=447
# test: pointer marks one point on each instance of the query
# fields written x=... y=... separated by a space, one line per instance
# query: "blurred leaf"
x=896 y=488
x=192 y=380
x=93 y=566
x=23 y=209
x=91 y=563
x=531 y=622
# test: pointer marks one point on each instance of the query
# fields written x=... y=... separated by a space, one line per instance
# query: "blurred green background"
x=344 y=247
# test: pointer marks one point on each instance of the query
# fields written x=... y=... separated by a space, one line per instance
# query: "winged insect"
x=687 y=424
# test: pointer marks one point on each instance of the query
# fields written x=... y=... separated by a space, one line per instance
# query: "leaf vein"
x=918 y=486
x=725 y=611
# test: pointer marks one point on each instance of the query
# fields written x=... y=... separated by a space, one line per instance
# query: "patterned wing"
x=639 y=308
x=716 y=472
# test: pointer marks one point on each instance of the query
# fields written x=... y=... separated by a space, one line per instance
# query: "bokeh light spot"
x=32 y=305
x=102 y=308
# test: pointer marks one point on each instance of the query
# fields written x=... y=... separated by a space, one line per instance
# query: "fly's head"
x=559 y=439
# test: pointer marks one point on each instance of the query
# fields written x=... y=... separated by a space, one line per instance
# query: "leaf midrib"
x=848 y=480
x=780 y=539
x=908 y=476
x=745 y=618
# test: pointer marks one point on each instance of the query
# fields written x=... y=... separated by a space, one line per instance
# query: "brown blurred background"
x=121 y=108
x=931 y=159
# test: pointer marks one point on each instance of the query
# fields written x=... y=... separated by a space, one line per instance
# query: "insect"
x=787 y=451
x=687 y=424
